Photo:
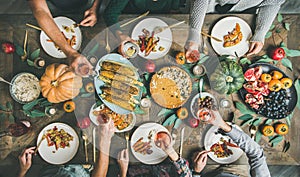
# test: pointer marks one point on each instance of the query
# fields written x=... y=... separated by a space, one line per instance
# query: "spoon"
x=85 y=138
x=2 y=80
x=107 y=47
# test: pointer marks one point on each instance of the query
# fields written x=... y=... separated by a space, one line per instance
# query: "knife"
x=181 y=141
x=94 y=144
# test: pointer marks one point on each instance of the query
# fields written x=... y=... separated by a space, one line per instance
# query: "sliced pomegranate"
x=249 y=75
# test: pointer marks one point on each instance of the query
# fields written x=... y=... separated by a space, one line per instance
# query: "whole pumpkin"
x=228 y=77
x=59 y=84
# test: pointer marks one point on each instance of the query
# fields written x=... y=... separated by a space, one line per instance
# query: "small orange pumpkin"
x=59 y=84
x=69 y=106
x=180 y=58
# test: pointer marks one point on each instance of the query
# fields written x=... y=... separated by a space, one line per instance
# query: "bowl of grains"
x=25 y=88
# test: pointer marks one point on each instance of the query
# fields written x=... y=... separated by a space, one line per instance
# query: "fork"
x=127 y=139
x=107 y=47
x=85 y=138
x=159 y=29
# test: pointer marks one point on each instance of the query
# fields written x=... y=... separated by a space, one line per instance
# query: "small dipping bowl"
x=199 y=70
x=130 y=49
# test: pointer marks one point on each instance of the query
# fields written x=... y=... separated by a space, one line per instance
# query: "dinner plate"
x=212 y=137
x=50 y=48
x=95 y=120
x=62 y=155
x=158 y=155
x=164 y=36
x=291 y=92
x=98 y=82
x=203 y=95
x=225 y=25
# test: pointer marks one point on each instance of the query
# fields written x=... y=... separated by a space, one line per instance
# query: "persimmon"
x=180 y=58
x=267 y=130
x=182 y=113
x=275 y=85
x=265 y=77
x=69 y=106
x=286 y=83
x=281 y=128
x=89 y=87
x=276 y=74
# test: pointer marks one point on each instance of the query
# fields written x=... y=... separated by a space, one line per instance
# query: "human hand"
x=90 y=18
x=25 y=160
x=254 y=48
x=218 y=121
x=106 y=130
x=200 y=161
x=123 y=161
x=81 y=65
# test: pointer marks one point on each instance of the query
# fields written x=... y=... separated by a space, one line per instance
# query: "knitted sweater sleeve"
x=113 y=11
x=267 y=12
x=254 y=152
x=197 y=16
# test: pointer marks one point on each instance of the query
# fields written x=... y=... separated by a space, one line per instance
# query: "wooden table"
x=12 y=28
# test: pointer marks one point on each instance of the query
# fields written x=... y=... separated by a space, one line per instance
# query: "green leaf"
x=276 y=139
x=256 y=122
x=286 y=146
x=9 y=106
x=170 y=120
x=3 y=108
x=288 y=119
x=258 y=136
x=268 y=35
x=291 y=52
x=246 y=117
x=11 y=118
x=242 y=108
x=146 y=76
x=297 y=86
x=265 y=60
x=178 y=122
x=30 y=63
x=86 y=95
x=165 y=112
x=245 y=61
x=247 y=122
x=37 y=113
x=19 y=50
x=203 y=59
x=30 y=105
x=138 y=110
x=35 y=54
x=278 y=31
x=2 y=115
x=268 y=121
x=45 y=103
x=287 y=26
x=272 y=27
x=143 y=89
x=279 y=18
x=287 y=63
x=282 y=44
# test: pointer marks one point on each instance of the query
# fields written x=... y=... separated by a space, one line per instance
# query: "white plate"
x=222 y=28
x=95 y=121
x=165 y=36
x=60 y=156
x=203 y=95
x=50 y=48
x=158 y=155
x=98 y=83
x=211 y=138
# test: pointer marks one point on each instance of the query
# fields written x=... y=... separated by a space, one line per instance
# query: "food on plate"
x=204 y=114
x=58 y=138
x=170 y=87
x=180 y=58
x=120 y=121
x=266 y=92
x=221 y=150
x=130 y=49
x=125 y=104
x=267 y=130
x=234 y=37
x=119 y=77
x=204 y=102
x=228 y=77
x=278 y=53
x=118 y=68
x=69 y=106
x=59 y=84
x=132 y=89
x=182 y=113
x=8 y=47
x=118 y=93
x=142 y=147
x=25 y=87
x=281 y=128
x=69 y=29
x=148 y=42
x=71 y=41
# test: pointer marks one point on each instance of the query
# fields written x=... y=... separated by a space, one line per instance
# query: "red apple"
x=83 y=122
x=150 y=66
x=8 y=47
x=278 y=53
x=193 y=122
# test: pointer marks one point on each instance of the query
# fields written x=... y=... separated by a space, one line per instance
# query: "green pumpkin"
x=227 y=78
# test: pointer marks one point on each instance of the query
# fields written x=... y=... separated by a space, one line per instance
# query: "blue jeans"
x=64 y=171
